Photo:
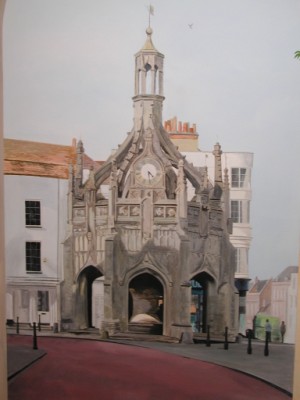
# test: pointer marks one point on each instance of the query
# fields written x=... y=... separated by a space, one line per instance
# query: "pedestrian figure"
x=268 y=329
x=282 y=330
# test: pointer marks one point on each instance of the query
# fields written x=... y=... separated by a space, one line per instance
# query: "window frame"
x=238 y=218
x=33 y=262
x=237 y=259
x=240 y=182
x=242 y=212
x=35 y=220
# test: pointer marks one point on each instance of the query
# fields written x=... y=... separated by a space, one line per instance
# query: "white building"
x=238 y=166
x=36 y=187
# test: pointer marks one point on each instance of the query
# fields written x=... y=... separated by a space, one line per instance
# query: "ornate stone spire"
x=218 y=164
x=148 y=91
x=79 y=168
x=148 y=44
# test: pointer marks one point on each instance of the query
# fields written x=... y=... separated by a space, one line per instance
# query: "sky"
x=69 y=73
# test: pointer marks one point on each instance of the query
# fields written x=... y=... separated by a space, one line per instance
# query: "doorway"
x=84 y=297
x=146 y=304
x=199 y=302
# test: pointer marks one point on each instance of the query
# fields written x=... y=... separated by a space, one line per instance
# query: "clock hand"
x=150 y=175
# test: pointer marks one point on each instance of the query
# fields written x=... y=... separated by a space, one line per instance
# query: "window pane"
x=235 y=177
x=33 y=212
x=242 y=176
x=235 y=211
x=33 y=256
x=237 y=260
x=238 y=176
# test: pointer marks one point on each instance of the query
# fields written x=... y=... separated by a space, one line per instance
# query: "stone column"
x=152 y=81
x=161 y=83
x=110 y=324
x=181 y=299
x=136 y=85
x=144 y=77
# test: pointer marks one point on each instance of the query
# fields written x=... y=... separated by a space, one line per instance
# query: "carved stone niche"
x=159 y=212
x=123 y=210
x=78 y=214
x=170 y=212
x=193 y=215
x=159 y=195
x=135 y=210
x=134 y=194
x=101 y=211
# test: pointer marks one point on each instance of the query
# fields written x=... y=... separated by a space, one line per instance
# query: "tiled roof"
x=285 y=275
x=258 y=286
x=22 y=157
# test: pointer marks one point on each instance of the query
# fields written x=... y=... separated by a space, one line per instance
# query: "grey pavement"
x=276 y=369
x=20 y=358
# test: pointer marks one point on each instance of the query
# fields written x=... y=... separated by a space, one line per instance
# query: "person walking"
x=268 y=329
x=282 y=331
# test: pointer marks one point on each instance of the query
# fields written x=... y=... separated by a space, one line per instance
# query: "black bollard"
x=35 y=347
x=18 y=326
x=208 y=337
x=226 y=339
x=266 y=352
x=39 y=325
x=249 y=348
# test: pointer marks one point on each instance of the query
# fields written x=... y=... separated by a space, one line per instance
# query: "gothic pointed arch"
x=84 y=296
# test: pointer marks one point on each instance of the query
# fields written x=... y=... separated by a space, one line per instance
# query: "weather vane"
x=151 y=11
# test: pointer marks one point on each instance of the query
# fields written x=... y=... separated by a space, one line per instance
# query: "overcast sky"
x=69 y=72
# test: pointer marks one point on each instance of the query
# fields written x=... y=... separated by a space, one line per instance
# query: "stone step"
x=27 y=326
x=143 y=337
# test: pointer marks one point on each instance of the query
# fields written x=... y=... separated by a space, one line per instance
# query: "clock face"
x=148 y=172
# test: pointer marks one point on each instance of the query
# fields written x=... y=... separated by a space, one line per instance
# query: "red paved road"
x=81 y=369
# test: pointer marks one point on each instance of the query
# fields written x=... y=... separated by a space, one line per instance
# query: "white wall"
x=242 y=233
x=291 y=317
x=52 y=195
x=23 y=286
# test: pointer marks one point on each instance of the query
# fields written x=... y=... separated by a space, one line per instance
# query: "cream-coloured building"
x=275 y=298
x=36 y=187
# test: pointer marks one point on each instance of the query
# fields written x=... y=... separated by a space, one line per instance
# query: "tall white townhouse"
x=35 y=187
x=237 y=167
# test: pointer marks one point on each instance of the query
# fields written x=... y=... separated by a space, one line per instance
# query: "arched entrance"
x=84 y=296
x=145 y=305
x=199 y=301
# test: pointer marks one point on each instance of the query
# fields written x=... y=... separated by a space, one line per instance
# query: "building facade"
x=135 y=253
x=36 y=186
x=36 y=182
x=275 y=298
